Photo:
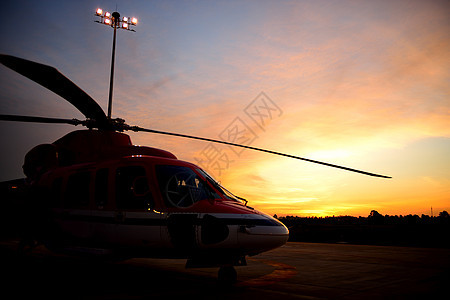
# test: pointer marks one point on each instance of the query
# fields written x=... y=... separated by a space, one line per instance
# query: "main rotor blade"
x=53 y=80
x=40 y=120
x=136 y=128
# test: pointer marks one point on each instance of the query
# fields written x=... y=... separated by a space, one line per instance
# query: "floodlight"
x=113 y=20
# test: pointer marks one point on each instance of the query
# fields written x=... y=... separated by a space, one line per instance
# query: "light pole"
x=114 y=20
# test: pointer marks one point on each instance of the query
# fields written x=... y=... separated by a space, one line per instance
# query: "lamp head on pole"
x=116 y=17
x=114 y=20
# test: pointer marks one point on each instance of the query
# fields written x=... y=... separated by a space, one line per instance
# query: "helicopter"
x=92 y=192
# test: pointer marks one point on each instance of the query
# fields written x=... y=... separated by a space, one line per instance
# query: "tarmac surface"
x=294 y=271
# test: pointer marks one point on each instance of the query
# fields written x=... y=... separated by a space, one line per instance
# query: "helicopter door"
x=181 y=188
x=104 y=231
x=73 y=218
x=137 y=225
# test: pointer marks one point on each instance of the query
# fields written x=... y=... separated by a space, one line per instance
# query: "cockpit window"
x=181 y=186
x=132 y=189
x=229 y=195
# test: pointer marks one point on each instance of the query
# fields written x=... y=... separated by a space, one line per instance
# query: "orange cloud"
x=359 y=85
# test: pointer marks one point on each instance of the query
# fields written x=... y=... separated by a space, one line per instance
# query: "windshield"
x=229 y=195
x=180 y=186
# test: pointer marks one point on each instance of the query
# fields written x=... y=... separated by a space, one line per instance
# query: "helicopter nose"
x=262 y=233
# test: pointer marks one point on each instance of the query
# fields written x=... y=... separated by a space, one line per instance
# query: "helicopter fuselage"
x=116 y=198
x=93 y=191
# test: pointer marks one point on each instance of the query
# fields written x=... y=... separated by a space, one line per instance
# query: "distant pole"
x=115 y=22
x=115 y=19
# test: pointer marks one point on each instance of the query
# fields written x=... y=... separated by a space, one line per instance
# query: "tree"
x=375 y=218
x=375 y=214
x=444 y=218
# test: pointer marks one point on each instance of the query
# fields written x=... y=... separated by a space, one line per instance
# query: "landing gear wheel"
x=227 y=275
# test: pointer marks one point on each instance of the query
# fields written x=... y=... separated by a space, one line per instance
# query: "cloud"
x=358 y=83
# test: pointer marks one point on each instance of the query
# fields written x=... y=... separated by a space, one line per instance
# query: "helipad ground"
x=294 y=271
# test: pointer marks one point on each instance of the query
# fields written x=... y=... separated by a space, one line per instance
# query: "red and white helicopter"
x=94 y=192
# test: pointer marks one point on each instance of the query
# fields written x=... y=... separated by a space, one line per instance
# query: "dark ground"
x=294 y=271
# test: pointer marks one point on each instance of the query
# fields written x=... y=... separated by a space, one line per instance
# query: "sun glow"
x=358 y=84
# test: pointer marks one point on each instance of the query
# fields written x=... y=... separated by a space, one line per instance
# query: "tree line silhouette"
x=375 y=229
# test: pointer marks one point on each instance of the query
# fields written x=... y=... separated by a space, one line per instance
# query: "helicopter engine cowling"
x=39 y=160
x=83 y=146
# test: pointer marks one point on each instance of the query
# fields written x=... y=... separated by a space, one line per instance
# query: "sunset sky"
x=364 y=84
